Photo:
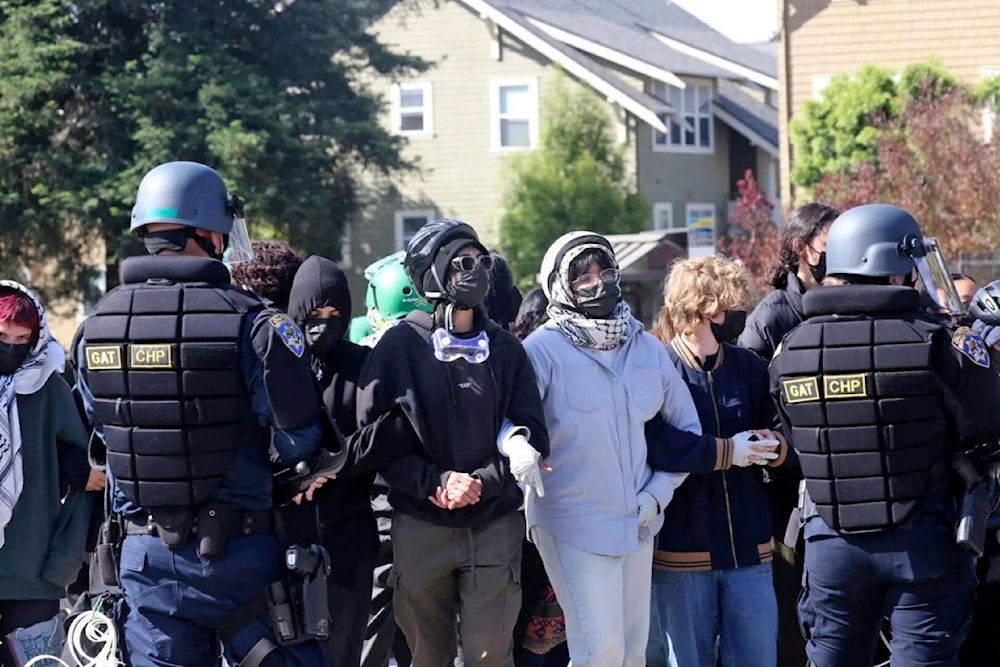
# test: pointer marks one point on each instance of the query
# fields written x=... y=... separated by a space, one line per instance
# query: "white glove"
x=649 y=508
x=742 y=451
x=524 y=462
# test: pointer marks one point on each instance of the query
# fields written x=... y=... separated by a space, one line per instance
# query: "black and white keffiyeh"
x=600 y=334
x=45 y=358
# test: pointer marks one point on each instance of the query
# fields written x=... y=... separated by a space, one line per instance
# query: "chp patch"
x=289 y=333
x=969 y=343
x=845 y=386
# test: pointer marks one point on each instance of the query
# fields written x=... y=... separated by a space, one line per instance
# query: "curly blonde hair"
x=697 y=288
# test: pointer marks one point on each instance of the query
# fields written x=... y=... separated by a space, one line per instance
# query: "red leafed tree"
x=932 y=160
x=752 y=237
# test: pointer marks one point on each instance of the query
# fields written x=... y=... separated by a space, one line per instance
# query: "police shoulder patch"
x=970 y=344
x=289 y=333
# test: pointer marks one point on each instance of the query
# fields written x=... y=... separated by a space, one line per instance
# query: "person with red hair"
x=44 y=515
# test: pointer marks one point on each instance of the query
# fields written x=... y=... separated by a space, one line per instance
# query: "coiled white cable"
x=100 y=631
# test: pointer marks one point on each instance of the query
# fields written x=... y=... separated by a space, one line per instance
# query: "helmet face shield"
x=937 y=280
x=238 y=249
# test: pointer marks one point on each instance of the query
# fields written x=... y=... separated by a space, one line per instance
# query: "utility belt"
x=213 y=524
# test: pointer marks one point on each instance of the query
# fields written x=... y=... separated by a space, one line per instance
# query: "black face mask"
x=599 y=302
x=731 y=328
x=324 y=334
x=818 y=270
x=12 y=356
x=468 y=289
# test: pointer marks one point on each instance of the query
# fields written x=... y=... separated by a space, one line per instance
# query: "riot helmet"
x=880 y=241
x=193 y=196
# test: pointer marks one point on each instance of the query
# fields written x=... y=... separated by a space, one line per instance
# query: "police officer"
x=878 y=397
x=187 y=376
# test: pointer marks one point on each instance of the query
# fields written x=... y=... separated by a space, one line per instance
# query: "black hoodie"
x=457 y=409
x=320 y=282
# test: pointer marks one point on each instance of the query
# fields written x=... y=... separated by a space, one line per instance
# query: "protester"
x=540 y=633
x=44 y=510
x=456 y=530
x=800 y=266
x=601 y=378
x=504 y=299
x=270 y=272
x=340 y=516
x=712 y=567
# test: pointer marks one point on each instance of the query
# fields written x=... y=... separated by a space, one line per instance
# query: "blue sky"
x=740 y=20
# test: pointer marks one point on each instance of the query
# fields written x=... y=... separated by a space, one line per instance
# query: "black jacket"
x=457 y=409
x=777 y=313
x=320 y=282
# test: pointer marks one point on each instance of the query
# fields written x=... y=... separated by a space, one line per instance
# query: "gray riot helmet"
x=879 y=241
x=194 y=196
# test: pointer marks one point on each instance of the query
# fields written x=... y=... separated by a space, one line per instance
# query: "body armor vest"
x=163 y=363
x=867 y=416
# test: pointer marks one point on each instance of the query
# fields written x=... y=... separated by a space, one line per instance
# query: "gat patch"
x=800 y=390
x=103 y=357
x=289 y=333
x=970 y=344
x=845 y=386
x=150 y=356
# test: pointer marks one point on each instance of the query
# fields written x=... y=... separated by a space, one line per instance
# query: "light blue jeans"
x=733 y=612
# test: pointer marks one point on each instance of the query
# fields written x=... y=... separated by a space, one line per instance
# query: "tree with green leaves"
x=576 y=179
x=837 y=132
x=93 y=93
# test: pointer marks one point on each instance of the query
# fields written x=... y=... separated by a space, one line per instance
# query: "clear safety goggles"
x=448 y=347
x=936 y=277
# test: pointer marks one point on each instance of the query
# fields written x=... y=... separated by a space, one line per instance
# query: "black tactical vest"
x=162 y=358
x=868 y=419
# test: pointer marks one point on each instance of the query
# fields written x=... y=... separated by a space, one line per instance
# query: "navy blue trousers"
x=175 y=603
x=914 y=574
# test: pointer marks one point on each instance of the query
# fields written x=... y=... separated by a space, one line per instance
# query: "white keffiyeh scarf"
x=583 y=331
x=45 y=358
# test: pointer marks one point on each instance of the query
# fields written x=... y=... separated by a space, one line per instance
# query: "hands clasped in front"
x=461 y=490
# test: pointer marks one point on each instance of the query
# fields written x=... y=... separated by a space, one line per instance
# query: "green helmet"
x=391 y=295
x=359 y=329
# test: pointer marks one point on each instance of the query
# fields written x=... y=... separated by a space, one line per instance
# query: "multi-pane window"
x=514 y=114
x=412 y=110
x=691 y=129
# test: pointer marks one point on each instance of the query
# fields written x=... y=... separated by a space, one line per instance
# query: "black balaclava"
x=731 y=328
x=320 y=282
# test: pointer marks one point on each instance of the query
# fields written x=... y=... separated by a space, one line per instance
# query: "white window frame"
x=400 y=216
x=661 y=91
x=664 y=207
x=495 y=117
x=427 y=91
